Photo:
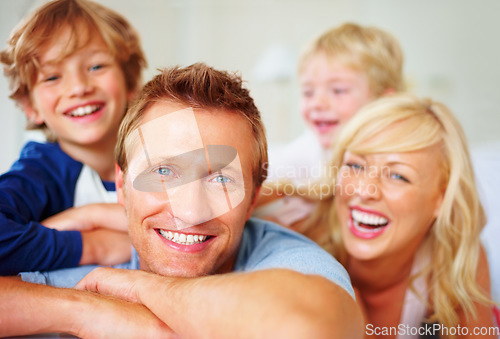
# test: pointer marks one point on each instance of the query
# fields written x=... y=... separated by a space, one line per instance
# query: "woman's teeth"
x=183 y=239
x=84 y=110
x=368 y=222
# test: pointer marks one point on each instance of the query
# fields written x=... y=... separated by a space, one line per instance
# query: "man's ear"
x=119 y=178
x=254 y=201
x=31 y=112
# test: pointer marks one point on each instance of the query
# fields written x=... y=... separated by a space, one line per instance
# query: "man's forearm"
x=27 y=308
x=277 y=304
x=271 y=303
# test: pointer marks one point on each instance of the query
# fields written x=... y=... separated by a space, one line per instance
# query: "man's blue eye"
x=220 y=179
x=165 y=171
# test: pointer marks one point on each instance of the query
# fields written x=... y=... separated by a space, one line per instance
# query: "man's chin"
x=181 y=272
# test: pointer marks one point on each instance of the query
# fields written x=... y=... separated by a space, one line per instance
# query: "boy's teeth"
x=84 y=110
x=183 y=239
x=368 y=219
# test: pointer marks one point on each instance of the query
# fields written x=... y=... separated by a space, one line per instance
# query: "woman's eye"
x=354 y=165
x=399 y=177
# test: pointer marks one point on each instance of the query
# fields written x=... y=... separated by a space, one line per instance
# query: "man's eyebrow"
x=164 y=159
x=219 y=156
x=222 y=166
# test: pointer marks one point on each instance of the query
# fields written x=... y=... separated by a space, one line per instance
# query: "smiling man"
x=191 y=157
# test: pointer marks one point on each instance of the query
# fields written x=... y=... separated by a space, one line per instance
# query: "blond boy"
x=73 y=65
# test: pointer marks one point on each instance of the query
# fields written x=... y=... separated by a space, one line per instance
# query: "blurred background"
x=451 y=48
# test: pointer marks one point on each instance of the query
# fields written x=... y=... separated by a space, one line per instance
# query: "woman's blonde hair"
x=404 y=123
x=370 y=50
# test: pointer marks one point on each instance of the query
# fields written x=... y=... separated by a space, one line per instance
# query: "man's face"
x=188 y=189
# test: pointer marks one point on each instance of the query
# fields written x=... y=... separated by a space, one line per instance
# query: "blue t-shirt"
x=42 y=182
x=264 y=245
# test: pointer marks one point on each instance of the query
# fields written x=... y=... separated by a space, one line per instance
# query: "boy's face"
x=188 y=189
x=81 y=98
x=331 y=94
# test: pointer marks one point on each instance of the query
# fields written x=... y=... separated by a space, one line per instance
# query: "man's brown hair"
x=200 y=87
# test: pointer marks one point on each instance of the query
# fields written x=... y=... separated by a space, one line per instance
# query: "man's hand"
x=89 y=217
x=114 y=282
x=107 y=317
x=27 y=308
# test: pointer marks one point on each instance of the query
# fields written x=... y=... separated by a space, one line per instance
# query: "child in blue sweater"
x=73 y=66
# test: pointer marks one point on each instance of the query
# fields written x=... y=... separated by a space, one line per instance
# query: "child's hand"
x=89 y=217
x=105 y=247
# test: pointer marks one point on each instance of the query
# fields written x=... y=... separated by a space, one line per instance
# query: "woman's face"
x=387 y=202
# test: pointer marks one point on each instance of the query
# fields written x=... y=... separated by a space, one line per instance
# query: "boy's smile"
x=80 y=96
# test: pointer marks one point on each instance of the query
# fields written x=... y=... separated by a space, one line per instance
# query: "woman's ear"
x=120 y=189
x=439 y=202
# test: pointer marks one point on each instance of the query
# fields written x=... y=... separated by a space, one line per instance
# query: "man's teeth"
x=84 y=110
x=183 y=239
x=368 y=219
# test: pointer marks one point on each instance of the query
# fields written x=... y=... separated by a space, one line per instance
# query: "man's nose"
x=190 y=205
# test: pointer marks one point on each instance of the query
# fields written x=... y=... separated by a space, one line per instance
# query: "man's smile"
x=182 y=238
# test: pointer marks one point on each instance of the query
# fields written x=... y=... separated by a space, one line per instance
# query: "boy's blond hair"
x=367 y=49
x=20 y=57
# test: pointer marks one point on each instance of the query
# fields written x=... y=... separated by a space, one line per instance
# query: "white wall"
x=451 y=47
